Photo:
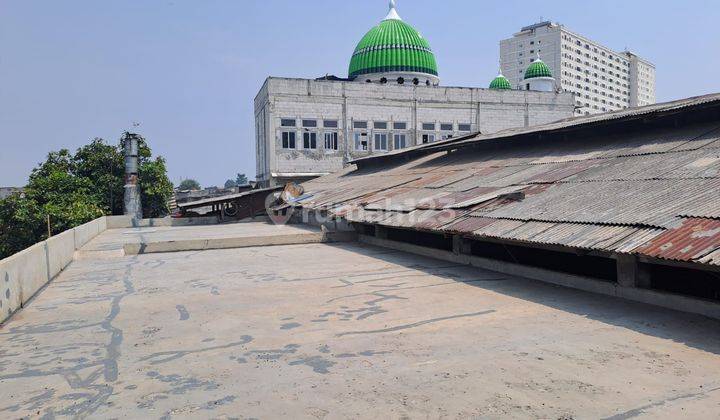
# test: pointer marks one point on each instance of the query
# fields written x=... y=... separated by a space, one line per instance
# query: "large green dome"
x=393 y=46
x=537 y=69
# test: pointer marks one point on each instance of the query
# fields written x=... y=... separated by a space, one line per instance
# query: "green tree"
x=241 y=179
x=189 y=184
x=74 y=189
x=21 y=224
x=155 y=187
x=103 y=164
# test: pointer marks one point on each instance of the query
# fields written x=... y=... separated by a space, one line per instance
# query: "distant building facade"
x=391 y=99
x=602 y=79
x=307 y=128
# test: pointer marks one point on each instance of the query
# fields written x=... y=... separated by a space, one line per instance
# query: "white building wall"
x=452 y=111
x=601 y=78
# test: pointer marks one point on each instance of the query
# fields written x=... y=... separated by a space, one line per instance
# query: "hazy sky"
x=188 y=70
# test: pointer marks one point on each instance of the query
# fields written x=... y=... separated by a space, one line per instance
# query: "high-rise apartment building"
x=601 y=79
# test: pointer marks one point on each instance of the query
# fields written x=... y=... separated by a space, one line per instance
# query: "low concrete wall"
x=241 y=242
x=23 y=274
x=651 y=297
x=85 y=233
x=60 y=251
x=122 y=222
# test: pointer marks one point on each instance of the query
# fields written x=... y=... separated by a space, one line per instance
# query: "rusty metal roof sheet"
x=693 y=240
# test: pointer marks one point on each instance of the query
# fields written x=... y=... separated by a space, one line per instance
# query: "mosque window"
x=361 y=141
x=380 y=141
x=360 y=124
x=288 y=140
x=400 y=125
x=380 y=125
x=287 y=122
x=428 y=126
x=464 y=127
x=428 y=138
x=309 y=140
x=446 y=126
x=331 y=141
x=399 y=141
x=309 y=123
x=330 y=123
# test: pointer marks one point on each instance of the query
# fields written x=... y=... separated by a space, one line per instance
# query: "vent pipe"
x=132 y=203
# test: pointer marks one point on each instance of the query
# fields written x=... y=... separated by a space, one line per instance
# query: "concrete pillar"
x=630 y=273
x=461 y=245
x=381 y=232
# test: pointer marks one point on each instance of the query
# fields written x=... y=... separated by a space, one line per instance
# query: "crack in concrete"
x=641 y=410
x=157 y=358
x=415 y=324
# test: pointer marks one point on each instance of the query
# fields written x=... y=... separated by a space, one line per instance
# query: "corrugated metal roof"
x=609 y=192
x=693 y=240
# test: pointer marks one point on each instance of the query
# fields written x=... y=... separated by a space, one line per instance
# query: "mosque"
x=391 y=99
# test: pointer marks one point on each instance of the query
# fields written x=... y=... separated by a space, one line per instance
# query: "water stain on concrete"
x=317 y=363
x=366 y=353
x=184 y=314
x=273 y=354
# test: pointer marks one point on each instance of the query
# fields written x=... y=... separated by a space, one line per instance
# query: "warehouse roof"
x=641 y=181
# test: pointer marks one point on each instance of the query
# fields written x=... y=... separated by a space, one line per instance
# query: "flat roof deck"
x=342 y=330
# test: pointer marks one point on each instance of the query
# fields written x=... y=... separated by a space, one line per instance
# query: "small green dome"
x=500 y=83
x=537 y=69
x=392 y=46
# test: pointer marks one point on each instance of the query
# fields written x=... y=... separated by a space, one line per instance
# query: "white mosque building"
x=391 y=99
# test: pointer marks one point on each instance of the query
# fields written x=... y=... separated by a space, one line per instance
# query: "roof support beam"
x=630 y=273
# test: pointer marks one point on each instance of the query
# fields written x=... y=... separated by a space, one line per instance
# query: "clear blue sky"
x=73 y=70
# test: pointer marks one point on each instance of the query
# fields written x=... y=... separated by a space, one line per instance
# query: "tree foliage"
x=241 y=179
x=73 y=189
x=189 y=184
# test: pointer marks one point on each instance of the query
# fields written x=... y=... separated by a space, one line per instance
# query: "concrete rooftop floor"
x=341 y=331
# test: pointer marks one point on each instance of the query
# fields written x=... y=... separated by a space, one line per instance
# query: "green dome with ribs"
x=392 y=46
x=537 y=69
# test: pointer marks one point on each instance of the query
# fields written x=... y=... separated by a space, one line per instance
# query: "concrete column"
x=461 y=245
x=630 y=273
x=381 y=232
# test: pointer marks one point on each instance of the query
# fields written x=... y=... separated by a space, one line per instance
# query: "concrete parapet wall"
x=122 y=222
x=23 y=274
x=240 y=242
x=85 y=233
x=60 y=251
